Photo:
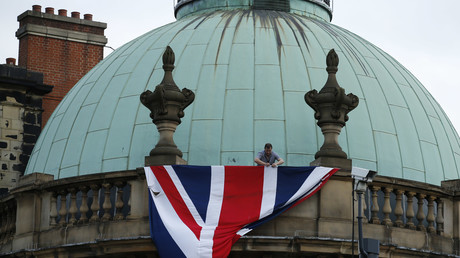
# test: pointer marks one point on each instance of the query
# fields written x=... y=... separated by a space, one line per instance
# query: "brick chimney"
x=63 y=48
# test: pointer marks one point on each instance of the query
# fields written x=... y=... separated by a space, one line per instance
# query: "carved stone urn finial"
x=166 y=103
x=331 y=107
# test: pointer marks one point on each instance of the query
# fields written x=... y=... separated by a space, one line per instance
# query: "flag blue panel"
x=198 y=190
x=289 y=181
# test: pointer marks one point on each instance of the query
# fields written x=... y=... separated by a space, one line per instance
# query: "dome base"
x=160 y=160
x=343 y=164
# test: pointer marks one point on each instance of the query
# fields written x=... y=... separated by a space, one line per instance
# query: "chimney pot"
x=37 y=8
x=11 y=61
x=49 y=10
x=62 y=12
x=88 y=17
x=76 y=15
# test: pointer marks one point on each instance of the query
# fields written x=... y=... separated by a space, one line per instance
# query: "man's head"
x=268 y=149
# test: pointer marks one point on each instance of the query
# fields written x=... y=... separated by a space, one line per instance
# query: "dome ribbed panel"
x=249 y=71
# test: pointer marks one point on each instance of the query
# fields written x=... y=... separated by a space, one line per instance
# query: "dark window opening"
x=276 y=5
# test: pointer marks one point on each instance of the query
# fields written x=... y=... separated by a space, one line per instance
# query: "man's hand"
x=274 y=165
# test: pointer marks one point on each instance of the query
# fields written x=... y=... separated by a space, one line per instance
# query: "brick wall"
x=63 y=63
x=63 y=48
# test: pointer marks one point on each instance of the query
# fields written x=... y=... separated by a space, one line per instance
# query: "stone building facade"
x=54 y=49
x=21 y=96
x=84 y=191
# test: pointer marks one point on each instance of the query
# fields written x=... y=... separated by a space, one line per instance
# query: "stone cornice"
x=15 y=77
x=50 y=32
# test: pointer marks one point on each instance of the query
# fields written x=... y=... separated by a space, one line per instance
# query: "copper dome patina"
x=249 y=68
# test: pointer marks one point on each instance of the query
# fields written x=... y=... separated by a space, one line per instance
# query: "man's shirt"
x=273 y=157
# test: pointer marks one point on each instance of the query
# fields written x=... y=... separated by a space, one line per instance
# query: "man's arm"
x=280 y=162
x=260 y=162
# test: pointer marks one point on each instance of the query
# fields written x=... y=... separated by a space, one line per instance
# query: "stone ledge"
x=31 y=180
x=50 y=32
x=160 y=160
x=343 y=164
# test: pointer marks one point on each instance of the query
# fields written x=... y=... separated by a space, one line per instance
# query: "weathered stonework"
x=21 y=93
x=331 y=107
x=167 y=104
x=32 y=217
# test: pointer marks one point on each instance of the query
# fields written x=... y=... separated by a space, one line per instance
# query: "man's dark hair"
x=268 y=146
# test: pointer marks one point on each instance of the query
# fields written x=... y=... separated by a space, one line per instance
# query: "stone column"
x=139 y=197
x=451 y=213
x=331 y=107
x=30 y=209
x=167 y=104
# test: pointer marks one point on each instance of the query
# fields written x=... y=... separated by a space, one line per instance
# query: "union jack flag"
x=200 y=211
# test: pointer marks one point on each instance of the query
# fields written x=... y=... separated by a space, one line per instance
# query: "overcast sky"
x=423 y=35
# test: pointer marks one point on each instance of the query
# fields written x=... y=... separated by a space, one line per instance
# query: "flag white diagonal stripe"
x=184 y=195
x=182 y=234
x=310 y=183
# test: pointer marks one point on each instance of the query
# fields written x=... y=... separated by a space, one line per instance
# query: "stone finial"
x=331 y=107
x=166 y=103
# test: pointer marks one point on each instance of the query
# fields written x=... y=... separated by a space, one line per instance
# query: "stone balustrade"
x=42 y=213
x=410 y=219
x=405 y=206
x=415 y=215
x=107 y=214
x=89 y=202
x=327 y=2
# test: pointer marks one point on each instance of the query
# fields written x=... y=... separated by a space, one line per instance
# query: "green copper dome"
x=249 y=68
